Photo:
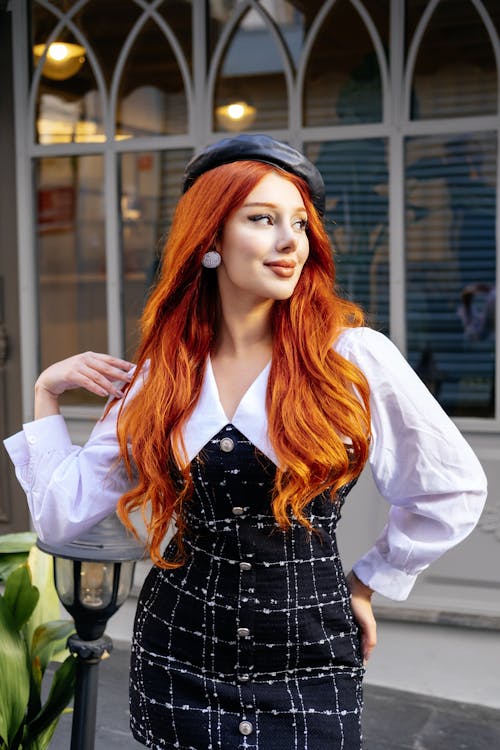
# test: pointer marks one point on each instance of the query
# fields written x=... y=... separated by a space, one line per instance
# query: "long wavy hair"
x=315 y=398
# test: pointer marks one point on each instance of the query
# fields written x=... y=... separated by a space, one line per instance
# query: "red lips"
x=283 y=268
x=282 y=263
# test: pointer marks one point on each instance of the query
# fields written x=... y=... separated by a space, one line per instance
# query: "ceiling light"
x=236 y=115
x=63 y=59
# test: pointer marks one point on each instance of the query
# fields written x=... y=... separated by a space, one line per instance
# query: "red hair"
x=315 y=398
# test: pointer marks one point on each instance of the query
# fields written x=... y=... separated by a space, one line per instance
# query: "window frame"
x=395 y=127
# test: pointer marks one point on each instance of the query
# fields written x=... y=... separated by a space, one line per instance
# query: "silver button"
x=243 y=677
x=243 y=632
x=237 y=510
x=245 y=566
x=226 y=445
x=245 y=727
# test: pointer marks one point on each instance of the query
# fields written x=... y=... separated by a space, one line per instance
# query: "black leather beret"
x=258 y=148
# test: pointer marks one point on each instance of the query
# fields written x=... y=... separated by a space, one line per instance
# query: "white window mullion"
x=113 y=256
x=28 y=288
x=397 y=265
x=199 y=125
x=397 y=296
x=447 y=126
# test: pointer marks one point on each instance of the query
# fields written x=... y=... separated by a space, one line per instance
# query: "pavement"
x=392 y=719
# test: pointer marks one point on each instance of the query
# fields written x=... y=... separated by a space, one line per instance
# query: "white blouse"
x=420 y=462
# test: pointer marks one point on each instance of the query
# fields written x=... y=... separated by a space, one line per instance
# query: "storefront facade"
x=397 y=103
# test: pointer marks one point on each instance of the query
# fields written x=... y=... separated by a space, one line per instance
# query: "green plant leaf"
x=15 y=680
x=61 y=693
x=10 y=562
x=48 y=639
x=21 y=542
x=35 y=699
x=20 y=596
x=48 y=608
x=42 y=740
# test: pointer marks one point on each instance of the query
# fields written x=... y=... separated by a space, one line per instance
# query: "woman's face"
x=264 y=244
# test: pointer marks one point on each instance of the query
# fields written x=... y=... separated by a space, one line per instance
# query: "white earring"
x=211 y=259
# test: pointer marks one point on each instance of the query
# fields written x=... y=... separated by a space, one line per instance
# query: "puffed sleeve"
x=421 y=465
x=69 y=488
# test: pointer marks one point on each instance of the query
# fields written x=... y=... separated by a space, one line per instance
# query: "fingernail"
x=119 y=394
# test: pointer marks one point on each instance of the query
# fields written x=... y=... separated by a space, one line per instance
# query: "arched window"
x=253 y=75
x=455 y=71
x=342 y=84
x=151 y=97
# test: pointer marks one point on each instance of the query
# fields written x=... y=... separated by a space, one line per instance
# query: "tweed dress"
x=252 y=643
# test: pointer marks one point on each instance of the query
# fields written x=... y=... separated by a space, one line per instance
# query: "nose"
x=287 y=239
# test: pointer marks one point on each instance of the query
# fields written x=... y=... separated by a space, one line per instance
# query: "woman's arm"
x=421 y=465
x=70 y=488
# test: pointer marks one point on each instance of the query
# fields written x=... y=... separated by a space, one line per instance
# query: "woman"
x=257 y=398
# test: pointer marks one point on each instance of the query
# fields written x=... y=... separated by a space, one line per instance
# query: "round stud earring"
x=211 y=259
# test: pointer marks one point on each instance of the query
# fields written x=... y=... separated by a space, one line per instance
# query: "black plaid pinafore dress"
x=252 y=643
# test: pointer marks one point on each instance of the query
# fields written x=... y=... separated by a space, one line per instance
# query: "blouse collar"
x=208 y=417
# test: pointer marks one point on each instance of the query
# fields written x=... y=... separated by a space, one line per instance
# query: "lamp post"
x=93 y=577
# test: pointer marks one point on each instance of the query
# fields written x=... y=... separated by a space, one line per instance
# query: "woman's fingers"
x=98 y=373
x=105 y=375
x=368 y=633
x=362 y=610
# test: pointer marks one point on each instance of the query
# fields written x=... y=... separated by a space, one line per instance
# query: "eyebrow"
x=269 y=205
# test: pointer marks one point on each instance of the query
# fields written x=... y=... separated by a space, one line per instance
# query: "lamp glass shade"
x=96 y=584
x=125 y=582
x=92 y=591
x=65 y=580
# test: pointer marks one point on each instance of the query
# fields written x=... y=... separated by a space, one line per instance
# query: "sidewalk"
x=393 y=719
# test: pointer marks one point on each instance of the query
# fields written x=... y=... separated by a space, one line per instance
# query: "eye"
x=300 y=225
x=262 y=218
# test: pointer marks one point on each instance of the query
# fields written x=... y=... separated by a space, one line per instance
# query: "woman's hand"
x=97 y=373
x=361 y=596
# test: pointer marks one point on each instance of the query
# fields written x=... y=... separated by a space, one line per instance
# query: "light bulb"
x=96 y=584
x=236 y=111
x=58 y=51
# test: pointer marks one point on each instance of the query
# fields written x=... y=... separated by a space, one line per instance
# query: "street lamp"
x=93 y=577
